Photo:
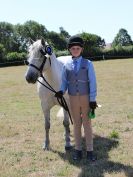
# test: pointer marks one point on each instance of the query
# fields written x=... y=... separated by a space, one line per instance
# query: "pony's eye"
x=42 y=52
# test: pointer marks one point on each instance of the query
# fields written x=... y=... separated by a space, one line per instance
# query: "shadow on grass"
x=103 y=164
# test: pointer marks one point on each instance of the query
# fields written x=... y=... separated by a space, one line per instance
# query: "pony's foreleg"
x=46 y=145
x=66 y=124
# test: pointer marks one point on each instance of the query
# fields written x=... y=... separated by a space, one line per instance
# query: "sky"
x=101 y=17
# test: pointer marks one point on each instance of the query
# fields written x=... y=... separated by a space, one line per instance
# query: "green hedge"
x=119 y=51
x=62 y=53
x=12 y=59
x=15 y=56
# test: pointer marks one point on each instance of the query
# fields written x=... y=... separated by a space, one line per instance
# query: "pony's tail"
x=60 y=114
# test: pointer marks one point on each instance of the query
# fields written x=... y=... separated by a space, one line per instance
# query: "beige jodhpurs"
x=80 y=104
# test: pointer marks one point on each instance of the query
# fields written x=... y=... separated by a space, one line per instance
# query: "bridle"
x=44 y=52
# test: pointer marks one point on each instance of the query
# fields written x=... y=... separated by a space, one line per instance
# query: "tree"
x=2 y=53
x=64 y=33
x=122 y=38
x=9 y=37
x=6 y=35
x=56 y=40
x=29 y=29
x=92 y=44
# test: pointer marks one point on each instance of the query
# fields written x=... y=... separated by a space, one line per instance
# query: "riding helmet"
x=75 y=40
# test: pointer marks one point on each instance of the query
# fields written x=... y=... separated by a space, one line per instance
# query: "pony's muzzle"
x=31 y=78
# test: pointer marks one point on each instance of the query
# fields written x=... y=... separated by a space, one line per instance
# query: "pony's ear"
x=31 y=41
x=42 y=41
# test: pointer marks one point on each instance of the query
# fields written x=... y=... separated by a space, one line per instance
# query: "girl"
x=78 y=77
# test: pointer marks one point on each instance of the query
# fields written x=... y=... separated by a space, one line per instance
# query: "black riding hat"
x=75 y=40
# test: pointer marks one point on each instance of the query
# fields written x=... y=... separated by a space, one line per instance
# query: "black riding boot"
x=91 y=157
x=77 y=155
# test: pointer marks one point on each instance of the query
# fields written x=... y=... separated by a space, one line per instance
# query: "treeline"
x=14 y=40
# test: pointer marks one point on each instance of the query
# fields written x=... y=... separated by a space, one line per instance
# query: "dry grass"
x=22 y=129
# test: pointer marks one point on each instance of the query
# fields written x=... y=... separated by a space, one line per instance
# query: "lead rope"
x=61 y=100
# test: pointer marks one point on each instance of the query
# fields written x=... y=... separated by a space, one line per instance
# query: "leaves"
x=92 y=44
x=122 y=38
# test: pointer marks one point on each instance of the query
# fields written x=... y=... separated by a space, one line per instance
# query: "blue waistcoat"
x=78 y=82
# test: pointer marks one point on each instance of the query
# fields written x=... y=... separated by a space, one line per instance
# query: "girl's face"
x=75 y=51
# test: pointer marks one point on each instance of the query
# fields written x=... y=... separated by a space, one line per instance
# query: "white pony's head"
x=38 y=60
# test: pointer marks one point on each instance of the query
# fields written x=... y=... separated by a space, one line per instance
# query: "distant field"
x=22 y=127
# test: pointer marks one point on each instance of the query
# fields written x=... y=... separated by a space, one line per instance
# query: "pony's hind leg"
x=66 y=124
x=46 y=145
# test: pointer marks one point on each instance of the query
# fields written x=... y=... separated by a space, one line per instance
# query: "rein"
x=61 y=100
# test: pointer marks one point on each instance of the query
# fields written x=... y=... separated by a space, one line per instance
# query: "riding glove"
x=93 y=104
x=59 y=94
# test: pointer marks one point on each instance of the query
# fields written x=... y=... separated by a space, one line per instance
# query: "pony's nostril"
x=27 y=79
x=30 y=79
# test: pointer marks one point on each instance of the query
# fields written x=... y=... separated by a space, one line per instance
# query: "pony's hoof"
x=68 y=148
x=46 y=148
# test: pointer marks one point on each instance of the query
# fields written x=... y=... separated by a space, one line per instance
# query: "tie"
x=75 y=66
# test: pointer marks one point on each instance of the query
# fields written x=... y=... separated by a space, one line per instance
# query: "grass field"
x=22 y=127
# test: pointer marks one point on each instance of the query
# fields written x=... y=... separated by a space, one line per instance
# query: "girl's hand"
x=93 y=104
